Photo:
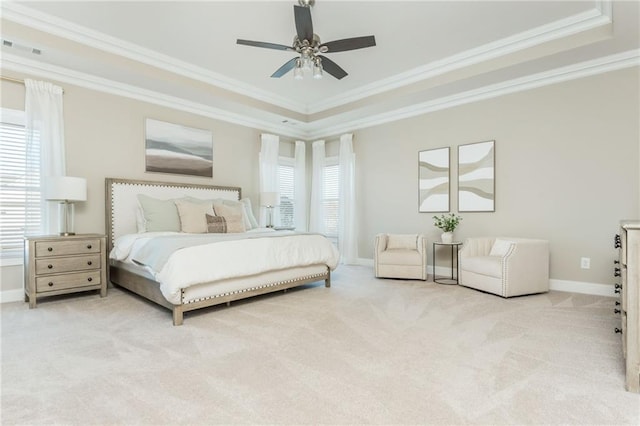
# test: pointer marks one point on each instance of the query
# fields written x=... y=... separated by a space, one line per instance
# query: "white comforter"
x=229 y=259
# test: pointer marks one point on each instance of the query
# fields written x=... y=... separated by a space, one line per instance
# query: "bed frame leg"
x=178 y=316
x=327 y=281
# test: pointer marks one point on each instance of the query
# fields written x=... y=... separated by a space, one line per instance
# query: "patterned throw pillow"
x=225 y=224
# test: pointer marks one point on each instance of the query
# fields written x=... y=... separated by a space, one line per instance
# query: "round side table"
x=454 y=247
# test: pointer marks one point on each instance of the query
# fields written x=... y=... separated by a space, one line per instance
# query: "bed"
x=173 y=282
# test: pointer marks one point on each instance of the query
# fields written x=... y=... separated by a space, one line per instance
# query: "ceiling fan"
x=309 y=47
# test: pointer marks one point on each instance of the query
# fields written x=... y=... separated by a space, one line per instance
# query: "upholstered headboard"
x=122 y=200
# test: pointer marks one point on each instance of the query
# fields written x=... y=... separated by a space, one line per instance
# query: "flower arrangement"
x=447 y=223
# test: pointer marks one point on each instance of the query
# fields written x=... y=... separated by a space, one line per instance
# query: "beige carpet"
x=365 y=351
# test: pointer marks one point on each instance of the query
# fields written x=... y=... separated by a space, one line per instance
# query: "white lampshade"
x=65 y=188
x=269 y=199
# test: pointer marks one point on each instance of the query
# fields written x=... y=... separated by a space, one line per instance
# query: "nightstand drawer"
x=61 y=282
x=61 y=248
x=67 y=264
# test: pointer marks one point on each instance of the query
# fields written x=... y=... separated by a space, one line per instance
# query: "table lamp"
x=269 y=200
x=66 y=190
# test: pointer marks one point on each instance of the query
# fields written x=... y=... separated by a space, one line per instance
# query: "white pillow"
x=141 y=222
x=249 y=212
x=500 y=247
x=405 y=242
x=193 y=216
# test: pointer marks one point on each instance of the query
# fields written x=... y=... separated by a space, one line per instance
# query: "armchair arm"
x=526 y=266
x=422 y=245
x=381 y=242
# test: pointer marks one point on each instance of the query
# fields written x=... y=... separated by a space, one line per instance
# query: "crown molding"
x=583 y=69
x=588 y=20
x=600 y=15
x=31 y=67
x=29 y=17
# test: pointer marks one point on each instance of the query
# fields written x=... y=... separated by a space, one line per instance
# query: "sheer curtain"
x=347 y=230
x=316 y=211
x=45 y=154
x=300 y=187
x=269 y=173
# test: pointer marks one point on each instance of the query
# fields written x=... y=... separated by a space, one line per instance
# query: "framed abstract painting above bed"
x=176 y=149
x=166 y=244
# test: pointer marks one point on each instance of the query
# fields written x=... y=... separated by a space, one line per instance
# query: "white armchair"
x=505 y=266
x=401 y=256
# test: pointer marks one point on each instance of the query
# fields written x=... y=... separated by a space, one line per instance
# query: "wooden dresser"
x=627 y=270
x=58 y=265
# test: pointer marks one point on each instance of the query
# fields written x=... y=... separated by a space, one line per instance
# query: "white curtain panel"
x=300 y=187
x=347 y=228
x=45 y=147
x=269 y=173
x=316 y=211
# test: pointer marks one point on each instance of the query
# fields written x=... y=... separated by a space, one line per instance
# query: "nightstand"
x=58 y=265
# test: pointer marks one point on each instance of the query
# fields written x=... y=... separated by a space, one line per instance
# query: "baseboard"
x=557 y=285
x=8 y=296
x=582 y=287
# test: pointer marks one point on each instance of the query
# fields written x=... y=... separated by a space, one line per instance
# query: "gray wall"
x=567 y=159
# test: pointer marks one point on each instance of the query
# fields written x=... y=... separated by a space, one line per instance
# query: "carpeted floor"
x=365 y=351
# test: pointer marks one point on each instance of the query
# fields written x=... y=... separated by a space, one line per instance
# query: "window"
x=331 y=190
x=286 y=173
x=15 y=187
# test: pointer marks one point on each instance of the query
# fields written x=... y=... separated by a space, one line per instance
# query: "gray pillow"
x=159 y=215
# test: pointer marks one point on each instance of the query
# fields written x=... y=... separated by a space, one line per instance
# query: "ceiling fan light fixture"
x=297 y=71
x=317 y=68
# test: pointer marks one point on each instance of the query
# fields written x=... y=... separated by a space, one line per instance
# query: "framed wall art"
x=433 y=180
x=176 y=149
x=476 y=177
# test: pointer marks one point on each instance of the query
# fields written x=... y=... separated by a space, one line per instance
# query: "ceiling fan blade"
x=350 y=44
x=332 y=68
x=285 y=68
x=264 y=44
x=304 y=26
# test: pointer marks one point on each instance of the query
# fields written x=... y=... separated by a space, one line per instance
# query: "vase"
x=447 y=237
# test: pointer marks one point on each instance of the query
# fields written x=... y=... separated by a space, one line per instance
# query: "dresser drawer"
x=61 y=282
x=67 y=264
x=61 y=248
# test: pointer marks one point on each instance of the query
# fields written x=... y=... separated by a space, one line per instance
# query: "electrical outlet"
x=585 y=263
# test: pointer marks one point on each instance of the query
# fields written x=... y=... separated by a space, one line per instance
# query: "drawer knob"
x=50 y=284
x=89 y=246
x=617 y=303
x=616 y=311
x=616 y=262
x=617 y=242
x=618 y=330
x=616 y=272
x=89 y=263
x=89 y=279
x=49 y=248
x=50 y=266
x=618 y=286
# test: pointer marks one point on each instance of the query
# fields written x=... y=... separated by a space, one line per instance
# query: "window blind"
x=286 y=179
x=331 y=191
x=16 y=189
